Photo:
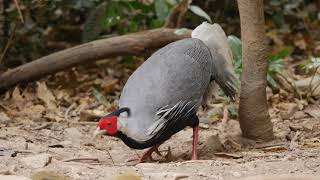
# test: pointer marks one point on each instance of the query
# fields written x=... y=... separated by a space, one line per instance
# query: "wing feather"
x=170 y=115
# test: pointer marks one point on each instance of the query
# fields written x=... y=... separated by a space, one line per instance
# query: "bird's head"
x=108 y=125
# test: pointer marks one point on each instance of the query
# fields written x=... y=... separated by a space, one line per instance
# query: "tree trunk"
x=1 y=23
x=253 y=108
x=132 y=44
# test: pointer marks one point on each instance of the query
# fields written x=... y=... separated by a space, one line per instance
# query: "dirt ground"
x=46 y=127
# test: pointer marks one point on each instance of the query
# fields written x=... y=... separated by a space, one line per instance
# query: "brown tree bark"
x=132 y=44
x=253 y=108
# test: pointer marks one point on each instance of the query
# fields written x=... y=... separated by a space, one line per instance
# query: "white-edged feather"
x=215 y=38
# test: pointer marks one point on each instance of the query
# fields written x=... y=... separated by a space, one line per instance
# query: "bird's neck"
x=133 y=143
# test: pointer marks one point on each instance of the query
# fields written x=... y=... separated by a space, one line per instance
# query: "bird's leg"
x=148 y=154
x=195 y=143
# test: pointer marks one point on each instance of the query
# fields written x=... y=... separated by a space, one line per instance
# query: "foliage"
x=314 y=63
x=131 y=16
x=275 y=60
x=48 y=26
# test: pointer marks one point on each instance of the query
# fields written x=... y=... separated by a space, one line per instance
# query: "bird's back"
x=180 y=71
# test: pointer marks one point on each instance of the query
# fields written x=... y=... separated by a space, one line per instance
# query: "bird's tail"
x=215 y=38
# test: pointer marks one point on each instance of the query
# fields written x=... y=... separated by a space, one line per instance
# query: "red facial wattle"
x=109 y=124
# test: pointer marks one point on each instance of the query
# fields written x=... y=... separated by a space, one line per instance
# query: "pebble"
x=236 y=174
x=37 y=161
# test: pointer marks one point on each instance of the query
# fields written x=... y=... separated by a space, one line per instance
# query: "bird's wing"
x=167 y=116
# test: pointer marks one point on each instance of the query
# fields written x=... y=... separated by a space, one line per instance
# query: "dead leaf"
x=231 y=144
x=4 y=117
x=311 y=145
x=301 y=44
x=52 y=116
x=16 y=95
x=46 y=95
x=33 y=111
x=314 y=111
x=109 y=85
x=228 y=155
x=87 y=116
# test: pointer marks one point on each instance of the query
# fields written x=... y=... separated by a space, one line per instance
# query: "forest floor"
x=46 y=130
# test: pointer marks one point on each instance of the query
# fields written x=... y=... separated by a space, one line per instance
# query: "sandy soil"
x=31 y=147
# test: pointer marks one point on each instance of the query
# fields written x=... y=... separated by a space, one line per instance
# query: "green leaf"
x=198 y=11
x=236 y=48
x=271 y=81
x=113 y=13
x=93 y=25
x=162 y=9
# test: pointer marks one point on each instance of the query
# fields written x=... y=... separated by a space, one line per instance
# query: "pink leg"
x=148 y=154
x=195 y=143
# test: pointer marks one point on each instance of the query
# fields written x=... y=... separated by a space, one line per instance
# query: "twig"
x=315 y=87
x=3 y=106
x=225 y=115
x=309 y=92
x=88 y=165
x=8 y=44
x=293 y=86
x=270 y=145
x=43 y=126
x=66 y=114
x=81 y=159
x=19 y=10
x=110 y=157
x=102 y=163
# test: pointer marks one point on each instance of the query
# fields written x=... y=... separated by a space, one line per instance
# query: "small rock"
x=37 y=161
x=292 y=108
x=204 y=126
x=236 y=174
x=212 y=144
x=73 y=133
x=295 y=127
x=299 y=115
x=13 y=177
x=309 y=124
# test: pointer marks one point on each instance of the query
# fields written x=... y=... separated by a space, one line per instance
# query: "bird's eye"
x=109 y=123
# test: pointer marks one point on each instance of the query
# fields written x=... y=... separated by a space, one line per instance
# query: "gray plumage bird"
x=162 y=96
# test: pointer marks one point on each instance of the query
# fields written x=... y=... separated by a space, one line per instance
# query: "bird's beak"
x=98 y=132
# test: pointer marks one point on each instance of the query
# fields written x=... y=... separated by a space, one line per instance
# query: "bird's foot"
x=148 y=154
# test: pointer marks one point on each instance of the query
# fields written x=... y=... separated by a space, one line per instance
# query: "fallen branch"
x=19 y=10
x=131 y=44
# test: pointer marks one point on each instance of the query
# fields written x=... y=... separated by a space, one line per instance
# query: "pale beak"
x=98 y=132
